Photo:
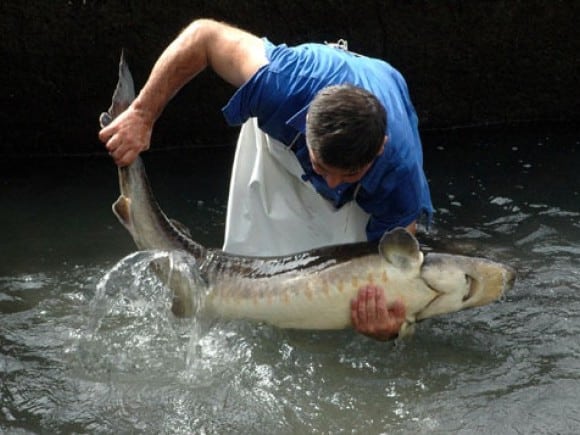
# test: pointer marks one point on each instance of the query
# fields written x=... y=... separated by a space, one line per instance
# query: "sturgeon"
x=307 y=290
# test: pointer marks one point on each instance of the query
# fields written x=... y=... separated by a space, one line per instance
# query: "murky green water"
x=84 y=349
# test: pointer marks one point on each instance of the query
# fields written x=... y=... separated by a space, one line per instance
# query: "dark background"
x=466 y=62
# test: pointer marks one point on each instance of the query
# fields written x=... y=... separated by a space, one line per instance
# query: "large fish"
x=308 y=290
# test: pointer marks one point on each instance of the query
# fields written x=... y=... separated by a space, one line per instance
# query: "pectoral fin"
x=400 y=248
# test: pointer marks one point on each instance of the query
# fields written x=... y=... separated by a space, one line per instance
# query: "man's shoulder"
x=316 y=56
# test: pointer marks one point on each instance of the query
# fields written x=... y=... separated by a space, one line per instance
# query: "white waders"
x=272 y=211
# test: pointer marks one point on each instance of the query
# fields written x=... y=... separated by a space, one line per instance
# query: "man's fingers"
x=105 y=134
x=115 y=147
x=126 y=136
x=121 y=155
x=370 y=314
x=381 y=306
x=109 y=131
x=362 y=307
x=371 y=306
x=127 y=158
x=120 y=150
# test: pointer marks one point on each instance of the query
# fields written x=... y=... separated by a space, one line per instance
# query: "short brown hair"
x=346 y=126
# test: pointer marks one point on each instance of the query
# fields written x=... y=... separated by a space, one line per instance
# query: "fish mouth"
x=473 y=286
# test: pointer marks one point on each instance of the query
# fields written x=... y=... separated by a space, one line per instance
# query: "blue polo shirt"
x=394 y=191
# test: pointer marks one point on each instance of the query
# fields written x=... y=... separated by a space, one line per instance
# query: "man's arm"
x=235 y=55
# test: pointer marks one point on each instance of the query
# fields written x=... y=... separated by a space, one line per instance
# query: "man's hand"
x=371 y=316
x=235 y=55
x=127 y=135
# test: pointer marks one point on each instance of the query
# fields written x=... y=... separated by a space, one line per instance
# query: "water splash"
x=130 y=328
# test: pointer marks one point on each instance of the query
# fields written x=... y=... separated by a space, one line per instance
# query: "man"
x=318 y=160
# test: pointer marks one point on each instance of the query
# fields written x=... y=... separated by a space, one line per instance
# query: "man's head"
x=345 y=130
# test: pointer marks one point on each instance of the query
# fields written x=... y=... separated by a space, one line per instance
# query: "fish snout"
x=510 y=278
x=463 y=282
x=489 y=282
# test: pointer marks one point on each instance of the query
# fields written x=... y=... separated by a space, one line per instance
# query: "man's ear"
x=382 y=148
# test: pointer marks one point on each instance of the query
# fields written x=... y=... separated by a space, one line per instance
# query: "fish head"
x=449 y=282
x=463 y=282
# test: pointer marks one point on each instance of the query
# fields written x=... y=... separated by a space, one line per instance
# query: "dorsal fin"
x=400 y=248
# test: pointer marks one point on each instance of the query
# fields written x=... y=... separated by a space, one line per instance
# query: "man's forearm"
x=182 y=60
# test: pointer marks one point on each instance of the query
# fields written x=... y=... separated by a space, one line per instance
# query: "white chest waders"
x=272 y=211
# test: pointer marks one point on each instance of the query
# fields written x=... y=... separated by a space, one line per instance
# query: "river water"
x=88 y=345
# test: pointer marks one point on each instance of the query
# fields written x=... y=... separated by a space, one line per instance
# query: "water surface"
x=88 y=345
